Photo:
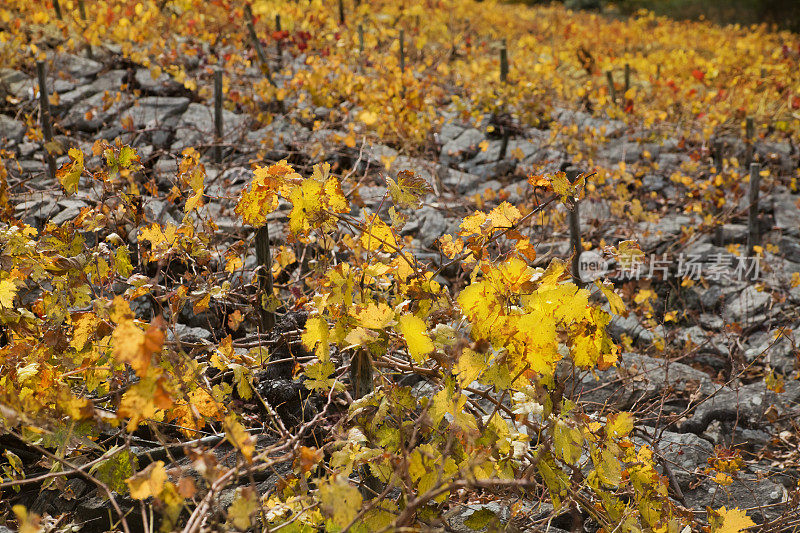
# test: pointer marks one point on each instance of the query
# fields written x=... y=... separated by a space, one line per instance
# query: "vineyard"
x=439 y=265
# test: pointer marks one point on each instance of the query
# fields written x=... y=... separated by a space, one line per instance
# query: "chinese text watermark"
x=715 y=267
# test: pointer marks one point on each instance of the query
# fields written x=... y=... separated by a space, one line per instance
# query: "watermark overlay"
x=592 y=266
x=716 y=267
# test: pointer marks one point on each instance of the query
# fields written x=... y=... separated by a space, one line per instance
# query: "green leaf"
x=116 y=469
x=127 y=156
x=480 y=519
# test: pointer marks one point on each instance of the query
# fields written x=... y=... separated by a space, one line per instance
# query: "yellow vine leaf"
x=375 y=316
x=315 y=337
x=472 y=224
x=615 y=302
x=128 y=342
x=149 y=482
x=378 y=235
x=560 y=184
x=730 y=521
x=261 y=198
x=340 y=502
x=409 y=190
x=568 y=442
x=315 y=200
x=142 y=402
x=27 y=522
x=504 y=216
x=7 y=292
x=199 y=405
x=70 y=173
x=368 y=117
x=629 y=252
x=450 y=247
x=414 y=331
x=196 y=181
x=84 y=327
x=619 y=425
x=244 y=506
x=608 y=467
x=470 y=366
x=237 y=435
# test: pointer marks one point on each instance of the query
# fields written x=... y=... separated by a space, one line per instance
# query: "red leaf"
x=629 y=106
x=699 y=75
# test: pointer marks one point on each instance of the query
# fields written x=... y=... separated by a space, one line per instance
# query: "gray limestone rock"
x=615 y=152
x=157 y=115
x=75 y=65
x=747 y=305
x=787 y=213
x=189 y=334
x=464 y=145
x=635 y=378
x=651 y=234
x=153 y=111
x=746 y=405
x=450 y=132
x=685 y=454
x=11 y=129
x=196 y=127
x=91 y=114
x=433 y=224
x=67 y=210
x=164 y=85
x=15 y=83
x=776 y=349
x=110 y=81
x=764 y=498
x=653 y=182
x=460 y=182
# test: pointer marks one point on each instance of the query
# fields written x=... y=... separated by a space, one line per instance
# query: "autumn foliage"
x=87 y=379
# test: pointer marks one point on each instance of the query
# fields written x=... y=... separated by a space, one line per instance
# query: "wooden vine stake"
x=752 y=219
x=44 y=112
x=57 y=8
x=361 y=39
x=612 y=91
x=265 y=290
x=719 y=148
x=361 y=373
x=278 y=49
x=402 y=51
x=627 y=77
x=218 y=130
x=341 y=12
x=575 y=231
x=362 y=379
x=718 y=155
x=504 y=62
x=504 y=80
x=749 y=134
x=262 y=58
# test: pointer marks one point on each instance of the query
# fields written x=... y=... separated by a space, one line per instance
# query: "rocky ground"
x=696 y=353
